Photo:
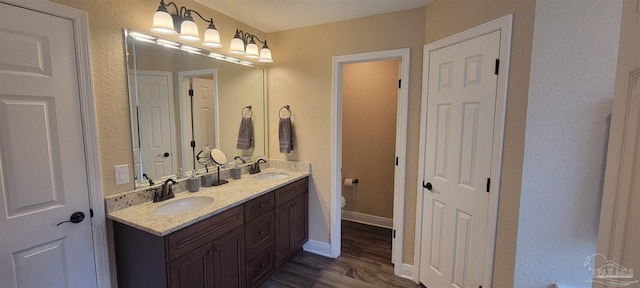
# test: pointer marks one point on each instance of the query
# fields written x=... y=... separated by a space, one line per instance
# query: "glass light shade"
x=252 y=51
x=163 y=23
x=211 y=38
x=265 y=56
x=237 y=46
x=189 y=31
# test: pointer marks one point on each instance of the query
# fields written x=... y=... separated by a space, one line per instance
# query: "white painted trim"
x=367 y=219
x=619 y=173
x=317 y=247
x=185 y=109
x=401 y=146
x=80 y=24
x=407 y=271
x=172 y=113
x=503 y=24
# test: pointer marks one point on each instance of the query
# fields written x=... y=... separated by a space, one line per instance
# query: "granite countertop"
x=225 y=197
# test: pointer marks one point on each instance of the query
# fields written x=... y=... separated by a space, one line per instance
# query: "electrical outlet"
x=122 y=174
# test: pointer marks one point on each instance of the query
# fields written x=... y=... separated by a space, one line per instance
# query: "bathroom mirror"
x=161 y=73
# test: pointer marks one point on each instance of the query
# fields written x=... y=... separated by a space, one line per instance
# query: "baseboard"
x=317 y=247
x=367 y=219
x=407 y=271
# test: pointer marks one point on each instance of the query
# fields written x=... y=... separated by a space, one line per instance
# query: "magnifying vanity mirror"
x=164 y=121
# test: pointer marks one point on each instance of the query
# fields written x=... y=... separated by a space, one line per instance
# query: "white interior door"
x=43 y=177
x=155 y=130
x=462 y=89
x=203 y=115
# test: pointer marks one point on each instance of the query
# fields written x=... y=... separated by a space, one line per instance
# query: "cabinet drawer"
x=258 y=206
x=260 y=266
x=292 y=190
x=198 y=234
x=259 y=233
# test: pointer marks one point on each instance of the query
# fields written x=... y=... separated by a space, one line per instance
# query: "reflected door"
x=460 y=121
x=203 y=115
x=155 y=149
x=43 y=177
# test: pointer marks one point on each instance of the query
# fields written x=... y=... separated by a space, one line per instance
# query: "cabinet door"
x=229 y=260
x=300 y=227
x=193 y=270
x=284 y=244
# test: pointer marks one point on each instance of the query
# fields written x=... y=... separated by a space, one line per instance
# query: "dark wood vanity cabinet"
x=240 y=247
x=206 y=254
x=292 y=218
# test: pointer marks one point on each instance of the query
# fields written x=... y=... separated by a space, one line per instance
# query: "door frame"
x=503 y=24
x=401 y=147
x=184 y=107
x=80 y=24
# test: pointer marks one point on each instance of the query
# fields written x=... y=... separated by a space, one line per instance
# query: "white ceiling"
x=278 y=15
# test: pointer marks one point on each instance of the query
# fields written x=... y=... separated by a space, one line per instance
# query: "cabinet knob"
x=210 y=253
x=218 y=248
x=262 y=265
x=260 y=232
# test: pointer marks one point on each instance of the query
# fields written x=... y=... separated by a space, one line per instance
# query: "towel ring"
x=250 y=111
x=284 y=107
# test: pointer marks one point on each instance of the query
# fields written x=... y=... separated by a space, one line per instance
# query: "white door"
x=43 y=177
x=155 y=120
x=460 y=120
x=203 y=115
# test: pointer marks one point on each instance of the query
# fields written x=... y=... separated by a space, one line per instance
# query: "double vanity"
x=234 y=235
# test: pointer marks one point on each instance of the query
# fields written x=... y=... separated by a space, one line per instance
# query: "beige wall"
x=107 y=18
x=369 y=96
x=447 y=17
x=301 y=77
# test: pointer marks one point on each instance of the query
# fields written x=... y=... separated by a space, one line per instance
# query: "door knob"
x=165 y=154
x=428 y=186
x=76 y=217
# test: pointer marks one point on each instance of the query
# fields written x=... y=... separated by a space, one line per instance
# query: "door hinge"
x=91 y=212
x=396 y=161
x=394 y=234
x=190 y=92
x=488 y=184
x=399 y=83
x=497 y=66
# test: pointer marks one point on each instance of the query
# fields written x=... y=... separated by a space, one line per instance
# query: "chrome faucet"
x=166 y=193
x=256 y=166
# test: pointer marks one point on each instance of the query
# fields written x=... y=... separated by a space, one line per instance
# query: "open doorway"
x=397 y=160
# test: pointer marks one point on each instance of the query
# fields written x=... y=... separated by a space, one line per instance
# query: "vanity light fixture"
x=182 y=22
x=250 y=51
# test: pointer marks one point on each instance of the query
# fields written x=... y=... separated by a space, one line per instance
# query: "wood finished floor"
x=365 y=261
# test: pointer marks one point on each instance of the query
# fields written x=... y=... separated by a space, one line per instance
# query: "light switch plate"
x=122 y=174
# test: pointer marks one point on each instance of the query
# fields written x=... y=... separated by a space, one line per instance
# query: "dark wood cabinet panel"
x=259 y=233
x=300 y=229
x=198 y=234
x=260 y=266
x=286 y=193
x=258 y=206
x=194 y=269
x=228 y=260
x=292 y=229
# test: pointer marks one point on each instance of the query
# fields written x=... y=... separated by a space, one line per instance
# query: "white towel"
x=285 y=135
x=245 y=134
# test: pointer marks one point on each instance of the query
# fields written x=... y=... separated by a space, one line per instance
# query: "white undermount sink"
x=271 y=175
x=180 y=206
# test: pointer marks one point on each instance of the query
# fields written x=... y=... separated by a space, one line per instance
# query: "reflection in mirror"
x=161 y=78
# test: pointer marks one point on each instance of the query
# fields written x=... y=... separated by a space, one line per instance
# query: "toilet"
x=343 y=202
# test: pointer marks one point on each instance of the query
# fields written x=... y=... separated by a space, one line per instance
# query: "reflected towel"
x=245 y=134
x=285 y=135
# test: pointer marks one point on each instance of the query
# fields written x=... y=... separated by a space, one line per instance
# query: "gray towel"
x=245 y=134
x=285 y=135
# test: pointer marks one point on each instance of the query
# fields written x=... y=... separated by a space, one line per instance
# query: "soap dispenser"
x=236 y=173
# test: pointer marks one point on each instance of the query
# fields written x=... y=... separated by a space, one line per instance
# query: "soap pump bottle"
x=235 y=171
x=194 y=182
